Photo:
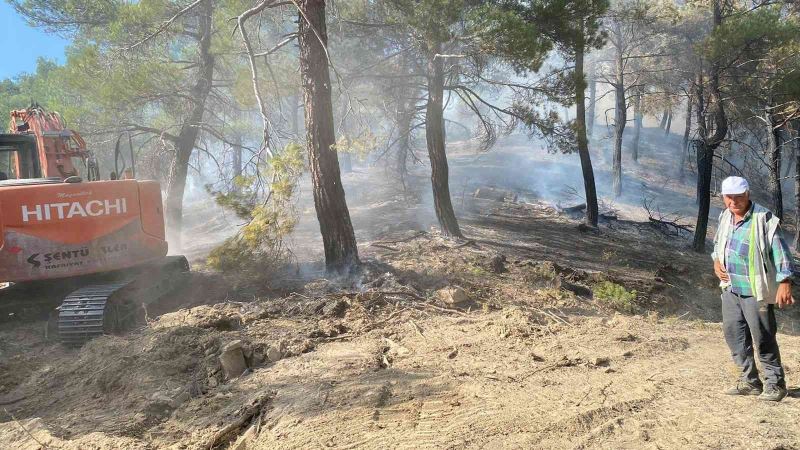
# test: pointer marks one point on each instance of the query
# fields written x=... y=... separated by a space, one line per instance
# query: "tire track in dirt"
x=665 y=393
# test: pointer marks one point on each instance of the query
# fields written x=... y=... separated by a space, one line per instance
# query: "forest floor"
x=537 y=354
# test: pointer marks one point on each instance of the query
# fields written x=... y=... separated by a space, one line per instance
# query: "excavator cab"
x=18 y=158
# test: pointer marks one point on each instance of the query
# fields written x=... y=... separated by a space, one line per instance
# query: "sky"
x=22 y=44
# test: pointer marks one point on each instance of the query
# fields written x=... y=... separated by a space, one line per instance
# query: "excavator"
x=97 y=246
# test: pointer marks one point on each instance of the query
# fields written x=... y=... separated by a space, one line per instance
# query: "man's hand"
x=784 y=295
x=722 y=274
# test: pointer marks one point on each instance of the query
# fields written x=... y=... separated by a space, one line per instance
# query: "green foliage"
x=505 y=33
x=44 y=87
x=570 y=24
x=615 y=296
x=358 y=146
x=755 y=32
x=258 y=246
x=431 y=19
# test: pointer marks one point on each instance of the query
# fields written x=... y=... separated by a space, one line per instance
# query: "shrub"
x=258 y=246
x=615 y=296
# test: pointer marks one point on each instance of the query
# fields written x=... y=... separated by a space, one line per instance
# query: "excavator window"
x=18 y=157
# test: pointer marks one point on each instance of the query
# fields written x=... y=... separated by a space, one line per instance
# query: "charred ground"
x=566 y=338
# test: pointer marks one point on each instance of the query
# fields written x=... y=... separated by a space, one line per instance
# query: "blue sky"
x=22 y=44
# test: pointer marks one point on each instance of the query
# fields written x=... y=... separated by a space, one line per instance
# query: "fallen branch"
x=666 y=225
x=244 y=418
x=43 y=446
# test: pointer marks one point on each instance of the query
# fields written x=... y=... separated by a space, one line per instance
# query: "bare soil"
x=532 y=359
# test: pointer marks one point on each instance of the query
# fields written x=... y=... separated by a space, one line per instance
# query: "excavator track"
x=119 y=304
x=82 y=314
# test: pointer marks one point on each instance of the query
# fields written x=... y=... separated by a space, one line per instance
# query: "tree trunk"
x=669 y=124
x=237 y=160
x=296 y=105
x=664 y=116
x=788 y=154
x=709 y=143
x=685 y=143
x=637 y=124
x=774 y=155
x=187 y=137
x=705 y=165
x=434 y=135
x=619 y=118
x=583 y=141
x=592 y=99
x=339 y=242
x=404 y=115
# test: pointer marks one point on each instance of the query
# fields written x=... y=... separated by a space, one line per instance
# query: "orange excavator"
x=97 y=245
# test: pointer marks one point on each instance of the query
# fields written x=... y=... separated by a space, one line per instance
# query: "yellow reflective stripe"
x=751 y=263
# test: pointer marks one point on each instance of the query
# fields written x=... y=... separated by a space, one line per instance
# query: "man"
x=754 y=266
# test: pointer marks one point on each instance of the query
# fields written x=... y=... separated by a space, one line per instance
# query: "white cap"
x=734 y=186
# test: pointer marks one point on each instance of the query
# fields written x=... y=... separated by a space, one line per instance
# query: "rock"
x=160 y=405
x=600 y=361
x=395 y=349
x=453 y=296
x=232 y=360
x=452 y=354
x=274 y=354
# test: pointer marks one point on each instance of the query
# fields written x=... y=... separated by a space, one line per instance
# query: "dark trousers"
x=745 y=321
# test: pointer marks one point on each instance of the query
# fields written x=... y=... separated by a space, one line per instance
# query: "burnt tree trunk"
x=187 y=137
x=338 y=239
x=774 y=155
x=434 y=135
x=637 y=124
x=685 y=142
x=620 y=116
x=709 y=143
x=583 y=141
x=705 y=166
x=592 y=98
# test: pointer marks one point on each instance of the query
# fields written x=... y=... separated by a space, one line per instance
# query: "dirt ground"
x=532 y=356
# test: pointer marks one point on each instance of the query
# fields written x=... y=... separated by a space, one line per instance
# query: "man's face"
x=737 y=203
